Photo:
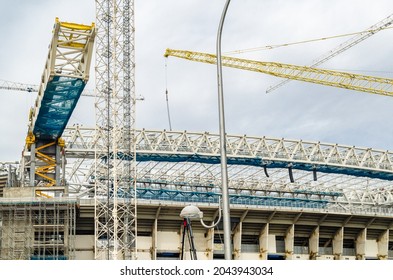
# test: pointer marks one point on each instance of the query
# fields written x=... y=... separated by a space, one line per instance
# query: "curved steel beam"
x=203 y=147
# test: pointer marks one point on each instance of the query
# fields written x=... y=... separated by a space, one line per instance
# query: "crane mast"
x=363 y=83
x=115 y=202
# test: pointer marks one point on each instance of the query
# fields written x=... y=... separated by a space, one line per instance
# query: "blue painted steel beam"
x=259 y=162
x=210 y=197
x=60 y=98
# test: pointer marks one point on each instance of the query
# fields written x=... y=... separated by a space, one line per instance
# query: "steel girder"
x=345 y=176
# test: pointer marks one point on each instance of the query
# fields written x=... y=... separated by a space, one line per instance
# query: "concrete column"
x=289 y=242
x=313 y=244
x=361 y=245
x=209 y=243
x=383 y=245
x=154 y=242
x=338 y=243
x=154 y=235
x=237 y=241
x=264 y=242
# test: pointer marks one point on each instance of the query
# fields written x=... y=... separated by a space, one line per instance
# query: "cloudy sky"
x=296 y=110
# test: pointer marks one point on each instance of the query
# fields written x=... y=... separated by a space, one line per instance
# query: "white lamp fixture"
x=192 y=212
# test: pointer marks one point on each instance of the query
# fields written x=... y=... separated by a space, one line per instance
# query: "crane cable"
x=270 y=47
x=166 y=95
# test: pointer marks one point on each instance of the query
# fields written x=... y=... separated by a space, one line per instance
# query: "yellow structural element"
x=71 y=39
x=49 y=161
x=61 y=142
x=30 y=139
x=50 y=164
x=370 y=84
x=75 y=26
x=42 y=194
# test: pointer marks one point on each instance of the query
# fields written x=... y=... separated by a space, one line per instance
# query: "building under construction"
x=117 y=192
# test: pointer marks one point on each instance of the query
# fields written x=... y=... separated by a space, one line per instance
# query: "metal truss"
x=115 y=118
x=370 y=84
x=381 y=25
x=68 y=61
x=345 y=177
x=8 y=85
x=15 y=86
x=64 y=77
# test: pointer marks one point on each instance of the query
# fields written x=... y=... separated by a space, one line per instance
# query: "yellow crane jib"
x=363 y=83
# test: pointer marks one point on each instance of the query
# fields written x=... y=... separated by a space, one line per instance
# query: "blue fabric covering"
x=60 y=98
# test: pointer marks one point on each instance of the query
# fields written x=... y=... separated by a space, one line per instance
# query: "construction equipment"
x=115 y=165
x=363 y=83
x=40 y=218
x=63 y=80
x=383 y=24
x=9 y=85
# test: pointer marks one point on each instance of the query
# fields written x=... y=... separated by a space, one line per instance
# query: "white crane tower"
x=115 y=201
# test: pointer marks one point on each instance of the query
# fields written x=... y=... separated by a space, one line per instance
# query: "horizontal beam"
x=172 y=146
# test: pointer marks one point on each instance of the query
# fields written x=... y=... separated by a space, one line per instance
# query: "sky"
x=295 y=111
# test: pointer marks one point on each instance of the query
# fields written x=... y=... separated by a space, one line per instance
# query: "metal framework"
x=114 y=163
x=115 y=202
x=386 y=22
x=64 y=78
x=8 y=85
x=185 y=166
x=37 y=229
x=15 y=86
x=370 y=84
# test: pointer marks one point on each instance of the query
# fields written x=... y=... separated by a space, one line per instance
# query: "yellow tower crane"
x=370 y=84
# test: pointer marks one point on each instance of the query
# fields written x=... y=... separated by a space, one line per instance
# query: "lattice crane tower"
x=115 y=203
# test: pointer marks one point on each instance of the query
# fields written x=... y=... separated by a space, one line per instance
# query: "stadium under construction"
x=116 y=192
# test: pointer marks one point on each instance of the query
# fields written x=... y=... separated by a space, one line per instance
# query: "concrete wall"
x=84 y=247
x=18 y=192
x=168 y=241
x=371 y=248
x=144 y=244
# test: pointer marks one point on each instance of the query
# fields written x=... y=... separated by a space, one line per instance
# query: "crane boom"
x=17 y=86
x=386 y=22
x=363 y=83
x=8 y=85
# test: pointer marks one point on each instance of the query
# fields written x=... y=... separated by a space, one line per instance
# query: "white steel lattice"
x=115 y=99
x=171 y=160
x=80 y=140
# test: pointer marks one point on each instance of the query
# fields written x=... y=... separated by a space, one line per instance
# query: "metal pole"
x=224 y=172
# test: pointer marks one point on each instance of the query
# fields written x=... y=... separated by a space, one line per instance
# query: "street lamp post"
x=224 y=172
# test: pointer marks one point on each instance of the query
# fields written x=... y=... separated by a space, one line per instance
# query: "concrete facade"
x=257 y=234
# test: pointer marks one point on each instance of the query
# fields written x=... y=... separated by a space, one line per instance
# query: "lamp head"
x=191 y=212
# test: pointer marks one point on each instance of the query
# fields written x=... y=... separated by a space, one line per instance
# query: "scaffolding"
x=37 y=229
